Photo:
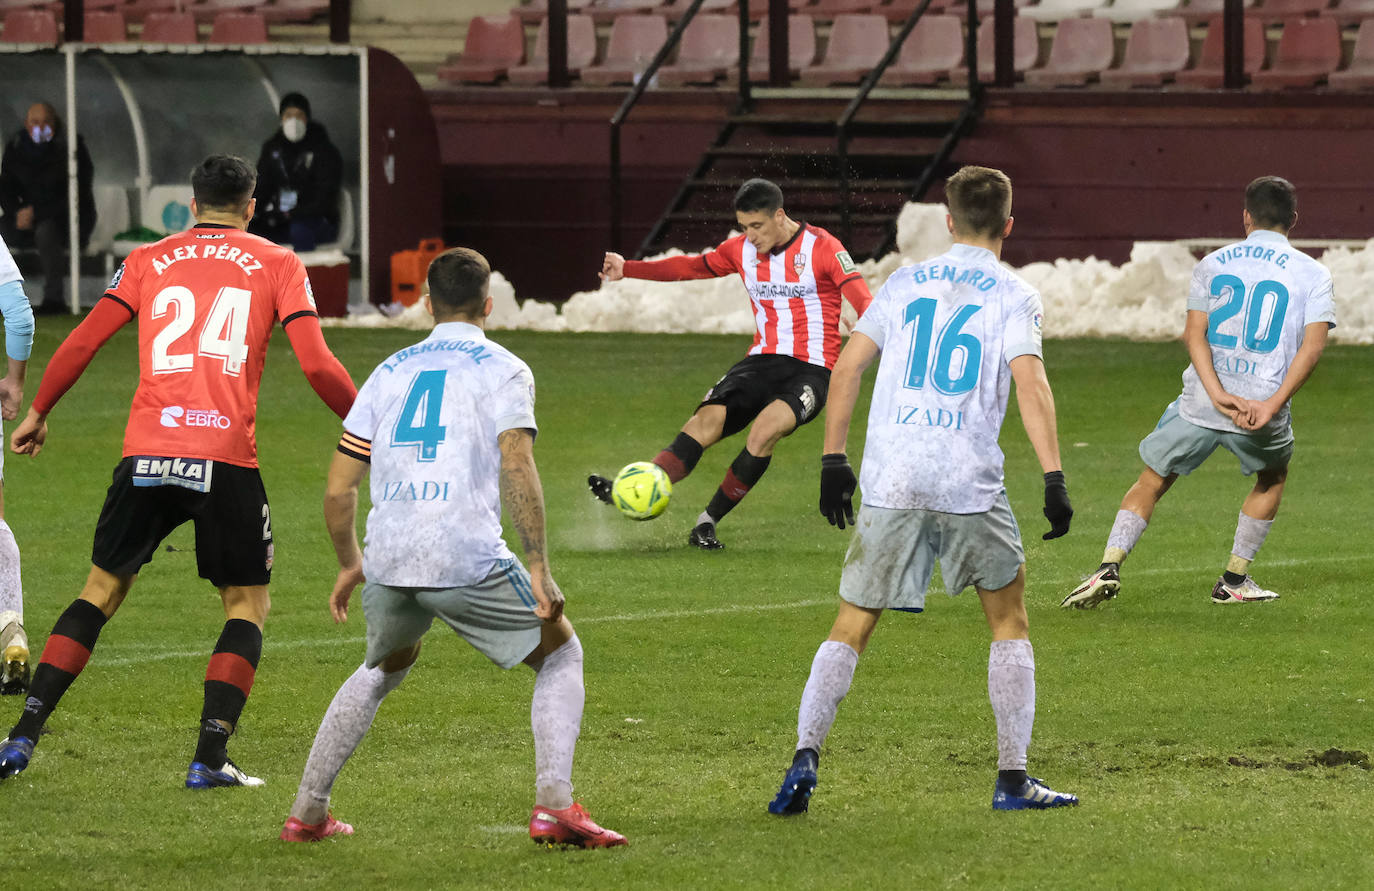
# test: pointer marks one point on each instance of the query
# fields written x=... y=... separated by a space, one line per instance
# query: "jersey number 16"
x=952 y=340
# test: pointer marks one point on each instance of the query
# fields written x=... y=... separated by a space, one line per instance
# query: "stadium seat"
x=30 y=26
x=298 y=10
x=238 y=28
x=857 y=43
x=167 y=208
x=1061 y=10
x=1208 y=71
x=111 y=218
x=801 y=48
x=1350 y=12
x=1025 y=50
x=169 y=27
x=1272 y=12
x=1200 y=11
x=139 y=10
x=1127 y=11
x=536 y=10
x=1359 y=74
x=709 y=48
x=104 y=26
x=1156 y=50
x=932 y=48
x=1309 y=50
x=493 y=45
x=205 y=11
x=581 y=51
x=1082 y=49
x=603 y=11
x=634 y=41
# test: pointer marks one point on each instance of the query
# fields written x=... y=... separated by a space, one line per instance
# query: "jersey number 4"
x=953 y=341
x=1255 y=303
x=224 y=336
x=418 y=424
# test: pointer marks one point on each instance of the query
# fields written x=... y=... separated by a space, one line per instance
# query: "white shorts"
x=892 y=555
x=496 y=615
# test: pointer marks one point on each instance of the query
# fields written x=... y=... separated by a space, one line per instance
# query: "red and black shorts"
x=150 y=496
x=755 y=381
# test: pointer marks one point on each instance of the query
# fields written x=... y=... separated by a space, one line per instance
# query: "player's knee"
x=1268 y=479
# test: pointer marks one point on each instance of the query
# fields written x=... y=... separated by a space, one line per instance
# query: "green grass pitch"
x=1200 y=739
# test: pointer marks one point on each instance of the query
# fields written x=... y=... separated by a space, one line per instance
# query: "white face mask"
x=40 y=133
x=293 y=129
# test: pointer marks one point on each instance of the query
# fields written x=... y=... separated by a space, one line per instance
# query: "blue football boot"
x=201 y=776
x=14 y=755
x=1033 y=795
x=797 y=786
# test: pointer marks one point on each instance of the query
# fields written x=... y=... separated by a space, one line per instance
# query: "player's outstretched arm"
x=340 y=517
x=327 y=376
x=837 y=477
x=1200 y=354
x=1036 y=402
x=14 y=306
x=523 y=498
x=1314 y=339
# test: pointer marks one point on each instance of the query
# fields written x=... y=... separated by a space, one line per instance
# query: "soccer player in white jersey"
x=795 y=275
x=18 y=314
x=953 y=332
x=447 y=429
x=1258 y=315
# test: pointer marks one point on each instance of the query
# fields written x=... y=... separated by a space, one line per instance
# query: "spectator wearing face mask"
x=33 y=197
x=299 y=173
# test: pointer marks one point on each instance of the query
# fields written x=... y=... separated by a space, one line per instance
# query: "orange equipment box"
x=408 y=270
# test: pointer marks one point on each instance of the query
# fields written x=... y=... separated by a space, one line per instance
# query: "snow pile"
x=1144 y=299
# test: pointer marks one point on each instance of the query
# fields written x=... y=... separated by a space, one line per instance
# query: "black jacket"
x=312 y=167
x=35 y=174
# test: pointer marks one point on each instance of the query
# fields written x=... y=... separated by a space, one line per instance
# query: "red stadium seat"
x=169 y=27
x=104 y=26
x=801 y=48
x=29 y=26
x=494 y=44
x=1351 y=12
x=1272 y=12
x=709 y=48
x=1208 y=71
x=634 y=41
x=581 y=51
x=1025 y=50
x=1309 y=50
x=239 y=28
x=1082 y=49
x=1359 y=75
x=1156 y=50
x=206 y=10
x=932 y=48
x=857 y=43
x=138 y=10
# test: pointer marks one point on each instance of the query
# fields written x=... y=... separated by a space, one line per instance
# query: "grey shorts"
x=495 y=615
x=1177 y=445
x=892 y=555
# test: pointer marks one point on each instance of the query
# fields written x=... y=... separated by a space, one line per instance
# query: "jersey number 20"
x=1255 y=304
x=418 y=424
x=952 y=339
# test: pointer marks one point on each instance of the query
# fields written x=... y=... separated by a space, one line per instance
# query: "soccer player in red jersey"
x=206 y=301
x=795 y=275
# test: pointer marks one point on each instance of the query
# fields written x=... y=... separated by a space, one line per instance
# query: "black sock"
x=807 y=753
x=680 y=457
x=65 y=654
x=1232 y=578
x=744 y=473
x=228 y=681
x=1011 y=780
x=1112 y=566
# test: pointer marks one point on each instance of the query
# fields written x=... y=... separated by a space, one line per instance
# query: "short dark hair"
x=758 y=194
x=1272 y=202
x=224 y=183
x=979 y=199
x=458 y=280
x=294 y=100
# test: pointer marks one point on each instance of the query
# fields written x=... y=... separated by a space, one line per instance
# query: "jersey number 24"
x=224 y=336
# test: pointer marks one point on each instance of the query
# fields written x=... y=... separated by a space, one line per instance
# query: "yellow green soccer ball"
x=641 y=490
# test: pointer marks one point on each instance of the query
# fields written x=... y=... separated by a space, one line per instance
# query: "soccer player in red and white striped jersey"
x=795 y=276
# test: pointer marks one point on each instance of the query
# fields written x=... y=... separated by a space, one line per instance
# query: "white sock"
x=11 y=594
x=1250 y=535
x=1126 y=531
x=556 y=719
x=1011 y=689
x=704 y=517
x=832 y=671
x=343 y=727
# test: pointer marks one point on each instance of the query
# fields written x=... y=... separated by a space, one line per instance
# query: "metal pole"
x=744 y=96
x=340 y=18
x=615 y=186
x=73 y=186
x=1233 y=52
x=558 y=44
x=779 y=53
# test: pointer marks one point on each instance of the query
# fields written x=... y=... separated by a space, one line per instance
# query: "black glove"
x=1057 y=508
x=837 y=489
